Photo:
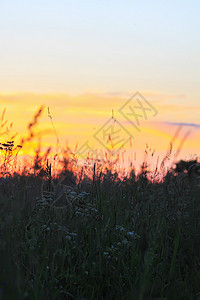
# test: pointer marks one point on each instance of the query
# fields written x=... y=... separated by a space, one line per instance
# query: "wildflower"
x=131 y=233
x=120 y=228
x=73 y=234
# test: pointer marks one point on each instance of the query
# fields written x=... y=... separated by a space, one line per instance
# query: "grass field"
x=100 y=238
x=96 y=235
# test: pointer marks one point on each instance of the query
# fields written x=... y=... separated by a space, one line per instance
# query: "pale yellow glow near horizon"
x=76 y=119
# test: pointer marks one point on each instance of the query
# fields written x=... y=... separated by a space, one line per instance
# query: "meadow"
x=95 y=234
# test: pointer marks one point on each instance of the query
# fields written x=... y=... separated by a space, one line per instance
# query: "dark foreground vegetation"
x=99 y=236
x=104 y=238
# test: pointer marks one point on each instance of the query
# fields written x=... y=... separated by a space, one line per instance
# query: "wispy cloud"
x=195 y=125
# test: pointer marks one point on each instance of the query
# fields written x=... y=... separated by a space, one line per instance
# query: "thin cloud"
x=195 y=125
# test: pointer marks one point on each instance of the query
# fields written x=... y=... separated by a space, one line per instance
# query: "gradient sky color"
x=78 y=118
x=85 y=58
x=108 y=46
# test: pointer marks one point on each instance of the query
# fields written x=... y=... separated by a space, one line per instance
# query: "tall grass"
x=97 y=235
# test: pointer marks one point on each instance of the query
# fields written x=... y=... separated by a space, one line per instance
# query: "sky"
x=84 y=59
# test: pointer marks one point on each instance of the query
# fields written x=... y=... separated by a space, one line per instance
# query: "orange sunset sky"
x=84 y=60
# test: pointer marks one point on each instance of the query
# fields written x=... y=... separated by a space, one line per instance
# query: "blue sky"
x=100 y=46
